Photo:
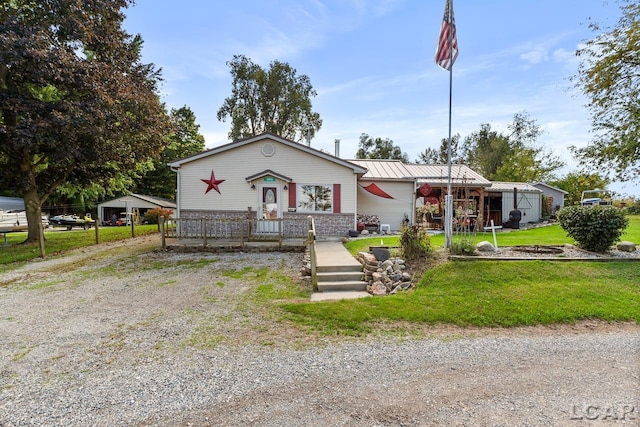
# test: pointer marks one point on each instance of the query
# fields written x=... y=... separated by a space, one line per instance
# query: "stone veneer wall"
x=326 y=224
x=217 y=214
x=329 y=224
x=227 y=229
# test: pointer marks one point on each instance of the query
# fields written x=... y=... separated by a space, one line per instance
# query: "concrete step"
x=328 y=268
x=352 y=285
x=333 y=296
x=340 y=276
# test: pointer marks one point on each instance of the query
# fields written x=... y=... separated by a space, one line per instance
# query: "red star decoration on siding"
x=212 y=183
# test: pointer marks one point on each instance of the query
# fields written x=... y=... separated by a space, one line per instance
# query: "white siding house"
x=269 y=177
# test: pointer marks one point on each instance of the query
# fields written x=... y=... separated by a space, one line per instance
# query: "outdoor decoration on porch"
x=377 y=191
x=212 y=183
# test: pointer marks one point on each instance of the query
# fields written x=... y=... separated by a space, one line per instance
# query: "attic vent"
x=268 y=149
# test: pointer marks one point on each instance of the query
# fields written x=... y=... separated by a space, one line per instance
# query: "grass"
x=550 y=235
x=479 y=294
x=489 y=293
x=59 y=241
x=265 y=289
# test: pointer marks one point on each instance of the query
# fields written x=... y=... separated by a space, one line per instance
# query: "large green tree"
x=485 y=151
x=512 y=156
x=608 y=76
x=276 y=100
x=441 y=156
x=76 y=103
x=184 y=140
x=378 y=148
x=576 y=182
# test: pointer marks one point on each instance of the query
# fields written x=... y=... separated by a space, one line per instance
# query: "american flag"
x=445 y=54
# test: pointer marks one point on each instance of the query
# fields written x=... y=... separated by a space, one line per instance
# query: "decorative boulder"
x=381 y=254
x=485 y=246
x=378 y=288
x=625 y=246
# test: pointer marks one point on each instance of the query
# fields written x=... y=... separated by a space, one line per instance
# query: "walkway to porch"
x=339 y=274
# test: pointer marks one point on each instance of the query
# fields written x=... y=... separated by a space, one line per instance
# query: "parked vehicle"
x=603 y=197
x=13 y=220
x=17 y=220
x=70 y=221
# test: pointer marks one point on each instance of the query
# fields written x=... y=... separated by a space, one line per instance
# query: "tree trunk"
x=34 y=215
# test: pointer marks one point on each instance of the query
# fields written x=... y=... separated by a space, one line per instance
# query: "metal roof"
x=163 y=203
x=383 y=169
x=461 y=175
x=509 y=186
x=543 y=184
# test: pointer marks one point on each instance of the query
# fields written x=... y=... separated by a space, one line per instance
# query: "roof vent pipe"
x=337 y=149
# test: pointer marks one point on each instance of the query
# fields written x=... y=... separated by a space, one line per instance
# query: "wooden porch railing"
x=236 y=229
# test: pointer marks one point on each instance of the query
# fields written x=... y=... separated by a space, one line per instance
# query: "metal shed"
x=529 y=200
x=131 y=203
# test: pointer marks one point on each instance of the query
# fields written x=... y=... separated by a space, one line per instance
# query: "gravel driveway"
x=124 y=335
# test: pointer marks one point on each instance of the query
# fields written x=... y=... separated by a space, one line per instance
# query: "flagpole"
x=448 y=220
x=446 y=54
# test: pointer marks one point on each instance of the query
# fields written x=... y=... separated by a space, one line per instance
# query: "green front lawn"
x=549 y=235
x=60 y=240
x=489 y=293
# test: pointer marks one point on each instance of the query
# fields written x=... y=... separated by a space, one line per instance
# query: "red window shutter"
x=292 y=195
x=336 y=198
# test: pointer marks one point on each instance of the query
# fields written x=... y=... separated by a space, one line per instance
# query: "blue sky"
x=371 y=62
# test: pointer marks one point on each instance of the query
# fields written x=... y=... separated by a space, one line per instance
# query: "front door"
x=269 y=209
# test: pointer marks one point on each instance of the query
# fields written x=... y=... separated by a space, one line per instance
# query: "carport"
x=133 y=204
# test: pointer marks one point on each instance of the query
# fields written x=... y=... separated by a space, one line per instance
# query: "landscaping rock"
x=378 y=277
x=378 y=288
x=384 y=277
x=399 y=266
x=625 y=246
x=386 y=264
x=381 y=254
x=485 y=246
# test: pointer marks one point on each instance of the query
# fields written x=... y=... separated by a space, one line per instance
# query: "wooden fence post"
x=204 y=232
x=163 y=243
x=95 y=225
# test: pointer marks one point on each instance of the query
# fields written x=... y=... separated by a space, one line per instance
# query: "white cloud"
x=537 y=55
x=564 y=56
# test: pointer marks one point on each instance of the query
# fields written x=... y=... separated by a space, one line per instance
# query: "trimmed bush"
x=595 y=228
x=463 y=246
